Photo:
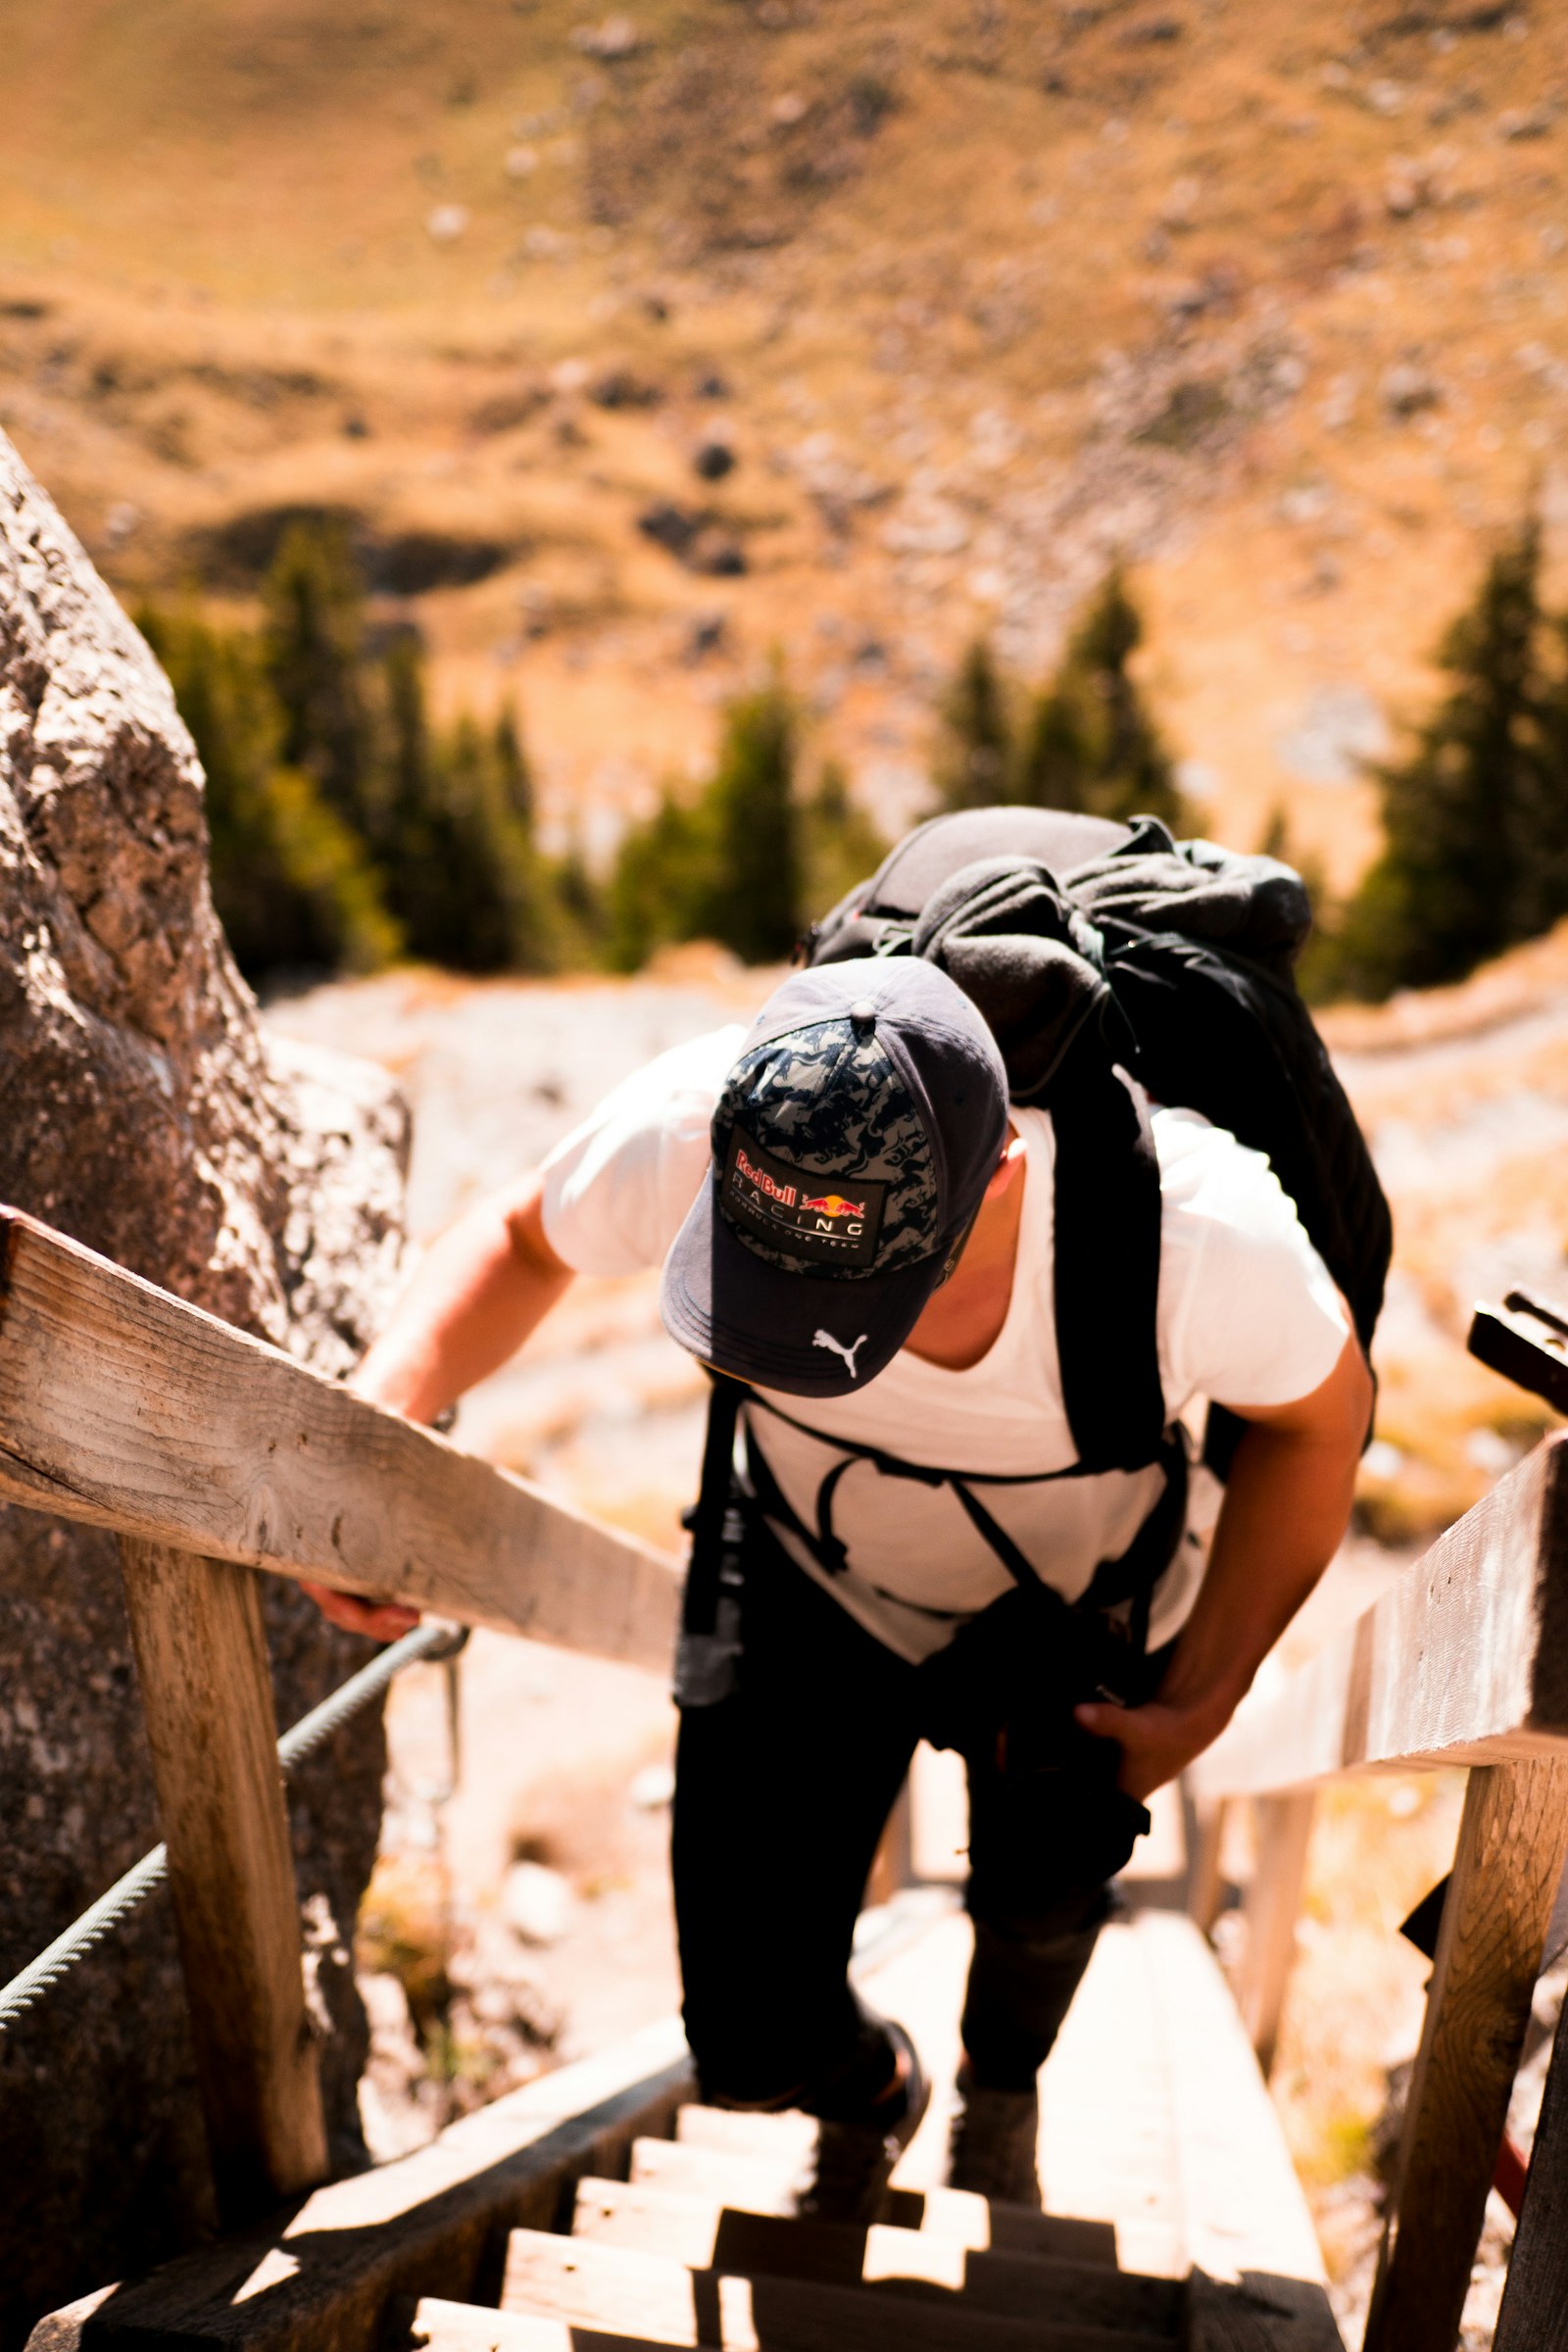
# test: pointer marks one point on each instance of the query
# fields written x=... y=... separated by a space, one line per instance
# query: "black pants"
x=782 y=1789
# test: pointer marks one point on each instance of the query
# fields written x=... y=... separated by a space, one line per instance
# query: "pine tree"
x=661 y=885
x=1542 y=890
x=293 y=885
x=1089 y=743
x=404 y=802
x=313 y=642
x=466 y=878
x=975 y=751
x=547 y=934
x=840 y=844
x=1474 y=819
x=513 y=774
x=581 y=910
x=752 y=897
x=728 y=865
x=478 y=856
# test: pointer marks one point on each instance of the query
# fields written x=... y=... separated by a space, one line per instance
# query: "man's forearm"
x=1286 y=1502
x=478 y=1294
x=479 y=1291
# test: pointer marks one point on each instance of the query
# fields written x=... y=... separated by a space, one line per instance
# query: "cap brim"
x=809 y=1335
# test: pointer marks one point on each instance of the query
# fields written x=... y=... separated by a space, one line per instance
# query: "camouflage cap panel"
x=829 y=1100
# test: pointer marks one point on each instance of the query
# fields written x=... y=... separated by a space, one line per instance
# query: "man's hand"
x=1157 y=1742
x=476 y=1298
x=383 y=1620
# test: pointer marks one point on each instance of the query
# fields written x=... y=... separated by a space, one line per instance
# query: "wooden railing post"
x=1270 y=1907
x=1535 y=2298
x=1505 y=1873
x=1206 y=1885
x=201 y=1658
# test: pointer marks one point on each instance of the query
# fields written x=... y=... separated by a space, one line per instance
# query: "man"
x=852 y=1223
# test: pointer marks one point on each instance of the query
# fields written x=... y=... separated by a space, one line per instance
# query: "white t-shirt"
x=1247 y=1314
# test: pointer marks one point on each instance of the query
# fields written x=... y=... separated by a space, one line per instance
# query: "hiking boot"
x=992 y=2142
x=854 y=2159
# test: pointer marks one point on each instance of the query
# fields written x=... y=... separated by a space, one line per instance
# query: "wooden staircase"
x=1176 y=2218
x=596 y=2206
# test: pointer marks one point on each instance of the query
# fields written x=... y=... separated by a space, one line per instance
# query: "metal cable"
x=434 y=1641
x=80 y=1938
x=426 y=1642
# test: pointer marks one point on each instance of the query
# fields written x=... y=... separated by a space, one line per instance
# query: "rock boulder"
x=143 y=1110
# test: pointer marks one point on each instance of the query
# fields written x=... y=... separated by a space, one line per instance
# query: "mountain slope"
x=975 y=296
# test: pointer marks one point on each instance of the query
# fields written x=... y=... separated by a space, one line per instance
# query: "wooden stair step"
x=706 y=2235
x=443 y=2327
x=1008 y=2229
x=761 y=2184
x=652 y=2296
x=754 y=2184
x=1259 y=2312
x=785 y=2138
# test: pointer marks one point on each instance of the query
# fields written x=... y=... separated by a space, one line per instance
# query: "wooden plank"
x=1535 y=2298
x=123 y=1406
x=201 y=1659
x=1205 y=1890
x=958 y=2213
x=333 y=2269
x=445 y=2326
x=1107 y=2140
x=787 y=2139
x=755 y=2184
x=706 y=2235
x=1464 y=1661
x=1257 y=2312
x=644 y=2294
x=1271 y=1907
x=1241 y=2206
x=1505 y=1873
x=761 y=2184
x=468 y=2328
x=1525 y=1345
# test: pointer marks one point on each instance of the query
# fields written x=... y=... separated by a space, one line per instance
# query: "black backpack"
x=1095 y=949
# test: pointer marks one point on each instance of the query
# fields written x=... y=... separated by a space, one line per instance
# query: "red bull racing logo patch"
x=791 y=1208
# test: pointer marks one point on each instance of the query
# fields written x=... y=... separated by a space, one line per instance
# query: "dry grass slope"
x=975 y=294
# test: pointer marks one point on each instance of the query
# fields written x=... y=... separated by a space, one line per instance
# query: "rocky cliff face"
x=142 y=1110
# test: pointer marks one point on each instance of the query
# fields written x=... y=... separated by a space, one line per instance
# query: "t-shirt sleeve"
x=616 y=1190
x=1249 y=1314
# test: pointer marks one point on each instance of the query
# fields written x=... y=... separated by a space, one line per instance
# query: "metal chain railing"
x=427 y=1643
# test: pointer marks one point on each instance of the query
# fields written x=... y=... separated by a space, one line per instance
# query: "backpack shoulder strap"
x=708 y=1649
x=1105 y=1278
x=707 y=1518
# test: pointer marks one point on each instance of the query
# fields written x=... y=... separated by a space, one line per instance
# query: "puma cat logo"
x=826 y=1338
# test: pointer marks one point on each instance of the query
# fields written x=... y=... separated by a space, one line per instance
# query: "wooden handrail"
x=1464 y=1661
x=122 y=1405
x=209 y=1453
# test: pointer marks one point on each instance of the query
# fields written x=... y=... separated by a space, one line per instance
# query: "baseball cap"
x=852 y=1145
